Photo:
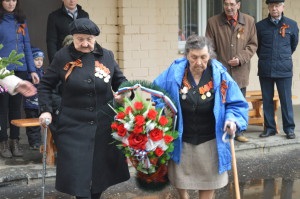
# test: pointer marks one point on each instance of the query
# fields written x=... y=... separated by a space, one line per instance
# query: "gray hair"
x=67 y=40
x=195 y=42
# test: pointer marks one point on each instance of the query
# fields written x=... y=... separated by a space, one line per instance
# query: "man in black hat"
x=87 y=162
x=277 y=40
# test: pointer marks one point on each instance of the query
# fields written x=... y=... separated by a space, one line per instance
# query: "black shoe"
x=290 y=135
x=267 y=134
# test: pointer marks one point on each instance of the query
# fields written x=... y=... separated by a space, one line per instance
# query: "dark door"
x=37 y=12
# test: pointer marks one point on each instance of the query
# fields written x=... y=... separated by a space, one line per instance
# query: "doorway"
x=37 y=12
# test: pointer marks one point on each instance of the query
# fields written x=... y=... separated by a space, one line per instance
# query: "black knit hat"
x=84 y=26
x=274 y=1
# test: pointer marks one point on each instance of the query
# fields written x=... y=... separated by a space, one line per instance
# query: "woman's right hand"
x=45 y=119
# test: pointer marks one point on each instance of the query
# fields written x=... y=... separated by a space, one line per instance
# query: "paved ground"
x=28 y=169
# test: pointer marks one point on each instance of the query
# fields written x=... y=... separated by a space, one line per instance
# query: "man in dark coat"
x=58 y=25
x=87 y=161
x=277 y=40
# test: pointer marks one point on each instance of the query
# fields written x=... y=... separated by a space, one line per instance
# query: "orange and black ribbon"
x=185 y=81
x=70 y=66
x=21 y=29
x=223 y=90
x=282 y=29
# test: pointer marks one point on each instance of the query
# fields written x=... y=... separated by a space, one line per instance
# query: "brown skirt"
x=198 y=168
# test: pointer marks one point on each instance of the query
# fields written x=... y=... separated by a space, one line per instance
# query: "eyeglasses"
x=230 y=4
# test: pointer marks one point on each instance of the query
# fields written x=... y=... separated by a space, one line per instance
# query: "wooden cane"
x=234 y=170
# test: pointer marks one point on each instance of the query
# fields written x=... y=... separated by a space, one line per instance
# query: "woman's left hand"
x=35 y=78
x=230 y=127
x=119 y=98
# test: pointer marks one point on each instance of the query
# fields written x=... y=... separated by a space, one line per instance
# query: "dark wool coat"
x=240 y=42
x=58 y=28
x=275 y=51
x=86 y=158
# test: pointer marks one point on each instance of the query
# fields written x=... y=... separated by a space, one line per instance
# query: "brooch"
x=21 y=29
x=102 y=72
x=70 y=66
x=240 y=32
x=282 y=29
x=224 y=88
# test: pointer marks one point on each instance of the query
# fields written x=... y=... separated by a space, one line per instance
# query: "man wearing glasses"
x=277 y=41
x=234 y=37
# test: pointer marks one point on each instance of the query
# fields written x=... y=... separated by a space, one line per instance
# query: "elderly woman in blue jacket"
x=13 y=36
x=209 y=102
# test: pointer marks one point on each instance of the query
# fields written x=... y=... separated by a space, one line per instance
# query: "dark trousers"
x=284 y=88
x=33 y=133
x=10 y=108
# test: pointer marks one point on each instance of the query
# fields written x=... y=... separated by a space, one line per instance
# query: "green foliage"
x=13 y=58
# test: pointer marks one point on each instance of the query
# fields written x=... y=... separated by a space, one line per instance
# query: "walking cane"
x=47 y=122
x=234 y=167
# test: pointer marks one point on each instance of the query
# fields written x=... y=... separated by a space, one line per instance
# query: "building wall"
x=143 y=36
x=141 y=33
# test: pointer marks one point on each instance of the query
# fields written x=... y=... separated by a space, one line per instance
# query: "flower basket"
x=145 y=133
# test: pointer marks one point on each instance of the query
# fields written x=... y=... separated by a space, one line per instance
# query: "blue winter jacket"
x=235 y=108
x=12 y=40
x=274 y=49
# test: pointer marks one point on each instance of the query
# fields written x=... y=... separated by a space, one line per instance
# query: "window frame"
x=202 y=17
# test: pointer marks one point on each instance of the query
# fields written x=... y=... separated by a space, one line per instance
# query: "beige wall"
x=143 y=36
x=142 y=33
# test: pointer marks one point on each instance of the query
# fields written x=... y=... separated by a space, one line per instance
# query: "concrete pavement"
x=27 y=169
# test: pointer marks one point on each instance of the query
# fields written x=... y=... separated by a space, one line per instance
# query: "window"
x=193 y=15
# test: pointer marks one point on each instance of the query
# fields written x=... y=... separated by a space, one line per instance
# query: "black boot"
x=5 y=150
x=15 y=148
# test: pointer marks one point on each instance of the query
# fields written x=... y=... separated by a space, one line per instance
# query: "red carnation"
x=138 y=105
x=137 y=141
x=120 y=115
x=128 y=110
x=156 y=134
x=163 y=120
x=168 y=139
x=114 y=126
x=138 y=129
x=121 y=130
x=152 y=114
x=158 y=151
x=139 y=120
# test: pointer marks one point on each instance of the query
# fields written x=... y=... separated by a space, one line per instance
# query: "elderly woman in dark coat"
x=87 y=162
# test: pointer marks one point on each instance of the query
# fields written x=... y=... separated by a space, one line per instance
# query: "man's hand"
x=26 y=88
x=234 y=62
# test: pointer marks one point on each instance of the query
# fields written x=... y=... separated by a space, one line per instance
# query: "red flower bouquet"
x=145 y=135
